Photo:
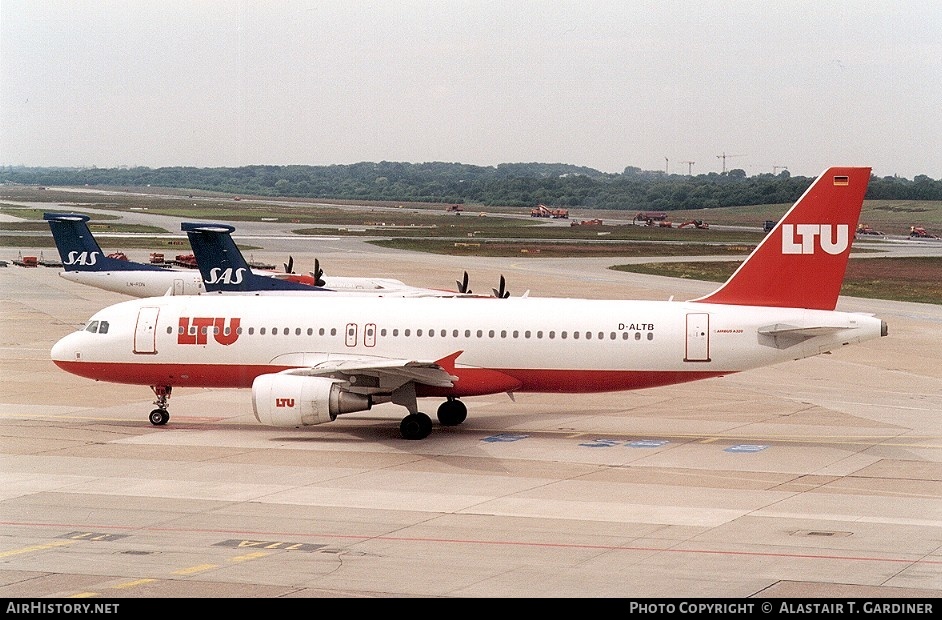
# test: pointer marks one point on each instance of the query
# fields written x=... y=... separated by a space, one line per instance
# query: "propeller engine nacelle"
x=293 y=400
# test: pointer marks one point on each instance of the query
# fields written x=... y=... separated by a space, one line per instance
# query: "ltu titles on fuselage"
x=636 y=327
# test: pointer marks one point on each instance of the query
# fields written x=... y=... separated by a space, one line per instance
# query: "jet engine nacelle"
x=292 y=400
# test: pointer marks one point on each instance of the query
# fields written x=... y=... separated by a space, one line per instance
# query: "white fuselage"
x=146 y=283
x=141 y=283
x=531 y=344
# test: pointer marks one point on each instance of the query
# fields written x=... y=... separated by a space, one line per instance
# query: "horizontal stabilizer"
x=783 y=335
x=780 y=329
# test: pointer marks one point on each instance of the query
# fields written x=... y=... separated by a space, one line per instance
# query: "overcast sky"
x=800 y=84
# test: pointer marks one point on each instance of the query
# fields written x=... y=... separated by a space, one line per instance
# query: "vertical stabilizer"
x=224 y=268
x=801 y=262
x=78 y=249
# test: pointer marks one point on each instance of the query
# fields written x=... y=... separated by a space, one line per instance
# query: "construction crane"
x=775 y=169
x=689 y=167
x=724 y=157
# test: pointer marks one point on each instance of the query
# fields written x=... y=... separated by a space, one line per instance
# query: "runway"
x=815 y=478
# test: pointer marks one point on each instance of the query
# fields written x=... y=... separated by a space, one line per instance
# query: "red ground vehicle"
x=186 y=260
x=544 y=211
x=650 y=218
x=866 y=229
x=695 y=223
x=26 y=261
x=918 y=232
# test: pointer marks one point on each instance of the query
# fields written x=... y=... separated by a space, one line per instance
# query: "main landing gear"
x=415 y=426
x=418 y=425
x=452 y=412
x=160 y=415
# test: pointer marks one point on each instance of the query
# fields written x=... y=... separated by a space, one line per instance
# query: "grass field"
x=899 y=279
x=427 y=228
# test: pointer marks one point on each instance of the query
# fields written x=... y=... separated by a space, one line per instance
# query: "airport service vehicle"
x=867 y=229
x=544 y=211
x=26 y=261
x=918 y=232
x=309 y=359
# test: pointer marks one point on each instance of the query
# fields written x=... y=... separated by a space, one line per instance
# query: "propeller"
x=463 y=285
x=289 y=266
x=317 y=273
x=500 y=293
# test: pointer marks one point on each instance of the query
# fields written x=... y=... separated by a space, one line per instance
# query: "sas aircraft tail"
x=802 y=261
x=224 y=268
x=78 y=249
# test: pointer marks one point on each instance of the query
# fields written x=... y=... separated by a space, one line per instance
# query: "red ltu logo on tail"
x=833 y=239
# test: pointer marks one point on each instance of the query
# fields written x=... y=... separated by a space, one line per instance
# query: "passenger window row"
x=432 y=333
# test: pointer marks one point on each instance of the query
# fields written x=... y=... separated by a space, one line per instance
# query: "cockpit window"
x=97 y=327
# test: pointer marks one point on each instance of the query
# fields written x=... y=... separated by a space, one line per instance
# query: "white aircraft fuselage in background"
x=141 y=283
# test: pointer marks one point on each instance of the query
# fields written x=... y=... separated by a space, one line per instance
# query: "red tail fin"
x=801 y=262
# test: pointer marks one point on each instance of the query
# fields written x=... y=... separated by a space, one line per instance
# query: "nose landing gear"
x=160 y=415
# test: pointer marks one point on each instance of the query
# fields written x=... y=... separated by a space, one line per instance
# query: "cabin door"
x=145 y=333
x=698 y=337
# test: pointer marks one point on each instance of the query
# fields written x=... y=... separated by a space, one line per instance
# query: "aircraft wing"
x=367 y=374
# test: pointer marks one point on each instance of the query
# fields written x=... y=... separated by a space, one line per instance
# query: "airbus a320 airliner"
x=308 y=359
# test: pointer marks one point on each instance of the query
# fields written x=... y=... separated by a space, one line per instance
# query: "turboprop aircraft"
x=309 y=359
x=225 y=270
x=84 y=262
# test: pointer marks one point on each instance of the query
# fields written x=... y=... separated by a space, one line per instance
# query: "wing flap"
x=378 y=374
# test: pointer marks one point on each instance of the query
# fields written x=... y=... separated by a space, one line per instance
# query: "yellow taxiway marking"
x=199 y=568
x=131 y=584
x=51 y=545
x=249 y=556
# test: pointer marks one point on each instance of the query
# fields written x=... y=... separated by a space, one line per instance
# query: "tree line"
x=516 y=185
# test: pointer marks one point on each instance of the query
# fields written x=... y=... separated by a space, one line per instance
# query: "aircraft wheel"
x=159 y=417
x=452 y=412
x=415 y=426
